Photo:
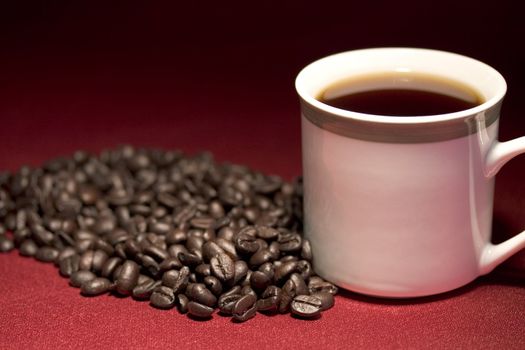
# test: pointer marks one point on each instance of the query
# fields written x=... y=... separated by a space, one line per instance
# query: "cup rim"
x=388 y=119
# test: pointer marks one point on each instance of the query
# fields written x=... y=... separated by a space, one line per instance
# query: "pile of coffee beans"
x=180 y=231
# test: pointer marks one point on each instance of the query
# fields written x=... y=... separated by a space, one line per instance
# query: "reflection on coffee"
x=400 y=94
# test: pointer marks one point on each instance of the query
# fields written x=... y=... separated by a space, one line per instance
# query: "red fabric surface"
x=93 y=77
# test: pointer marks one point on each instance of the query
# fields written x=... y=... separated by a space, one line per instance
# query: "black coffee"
x=400 y=94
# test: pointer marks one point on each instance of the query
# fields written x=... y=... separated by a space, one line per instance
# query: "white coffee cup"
x=402 y=206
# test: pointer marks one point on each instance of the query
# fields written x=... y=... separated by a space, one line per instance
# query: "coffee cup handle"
x=494 y=254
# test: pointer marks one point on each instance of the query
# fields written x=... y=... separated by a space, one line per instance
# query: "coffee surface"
x=396 y=94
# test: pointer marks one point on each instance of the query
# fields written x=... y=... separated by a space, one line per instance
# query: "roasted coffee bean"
x=315 y=286
x=182 y=280
x=210 y=249
x=150 y=265
x=259 y=281
x=199 y=293
x=96 y=286
x=268 y=269
x=284 y=271
x=190 y=259
x=162 y=297
x=156 y=253
x=46 y=254
x=245 y=241
x=227 y=246
x=182 y=303
x=266 y=232
x=28 y=248
x=86 y=260
x=65 y=253
x=261 y=257
x=99 y=259
x=327 y=299
x=160 y=228
x=269 y=304
x=69 y=265
x=227 y=233
x=170 y=263
x=213 y=284
x=202 y=222
x=245 y=308
x=169 y=278
x=306 y=250
x=299 y=283
x=307 y=306
x=80 y=277
x=289 y=242
x=227 y=302
x=110 y=266
x=176 y=219
x=203 y=270
x=144 y=289
x=199 y=310
x=176 y=236
x=127 y=278
x=241 y=270
x=6 y=244
x=223 y=267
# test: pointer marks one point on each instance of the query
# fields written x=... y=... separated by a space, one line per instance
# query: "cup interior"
x=316 y=77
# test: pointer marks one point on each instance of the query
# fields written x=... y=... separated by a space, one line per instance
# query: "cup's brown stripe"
x=400 y=133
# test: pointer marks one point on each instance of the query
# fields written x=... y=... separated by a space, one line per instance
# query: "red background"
x=219 y=76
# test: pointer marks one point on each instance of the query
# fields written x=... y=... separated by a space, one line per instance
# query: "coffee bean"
x=127 y=278
x=284 y=271
x=262 y=256
x=299 y=284
x=144 y=289
x=46 y=254
x=80 y=277
x=210 y=249
x=199 y=293
x=174 y=219
x=259 y=281
x=99 y=259
x=162 y=297
x=289 y=242
x=169 y=278
x=244 y=308
x=327 y=300
x=156 y=253
x=245 y=241
x=189 y=259
x=223 y=267
x=96 y=286
x=321 y=286
x=182 y=280
x=150 y=265
x=228 y=247
x=241 y=270
x=69 y=265
x=86 y=260
x=307 y=306
x=110 y=266
x=28 y=248
x=266 y=232
x=306 y=250
x=227 y=302
x=182 y=302
x=199 y=310
x=213 y=284
x=6 y=244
